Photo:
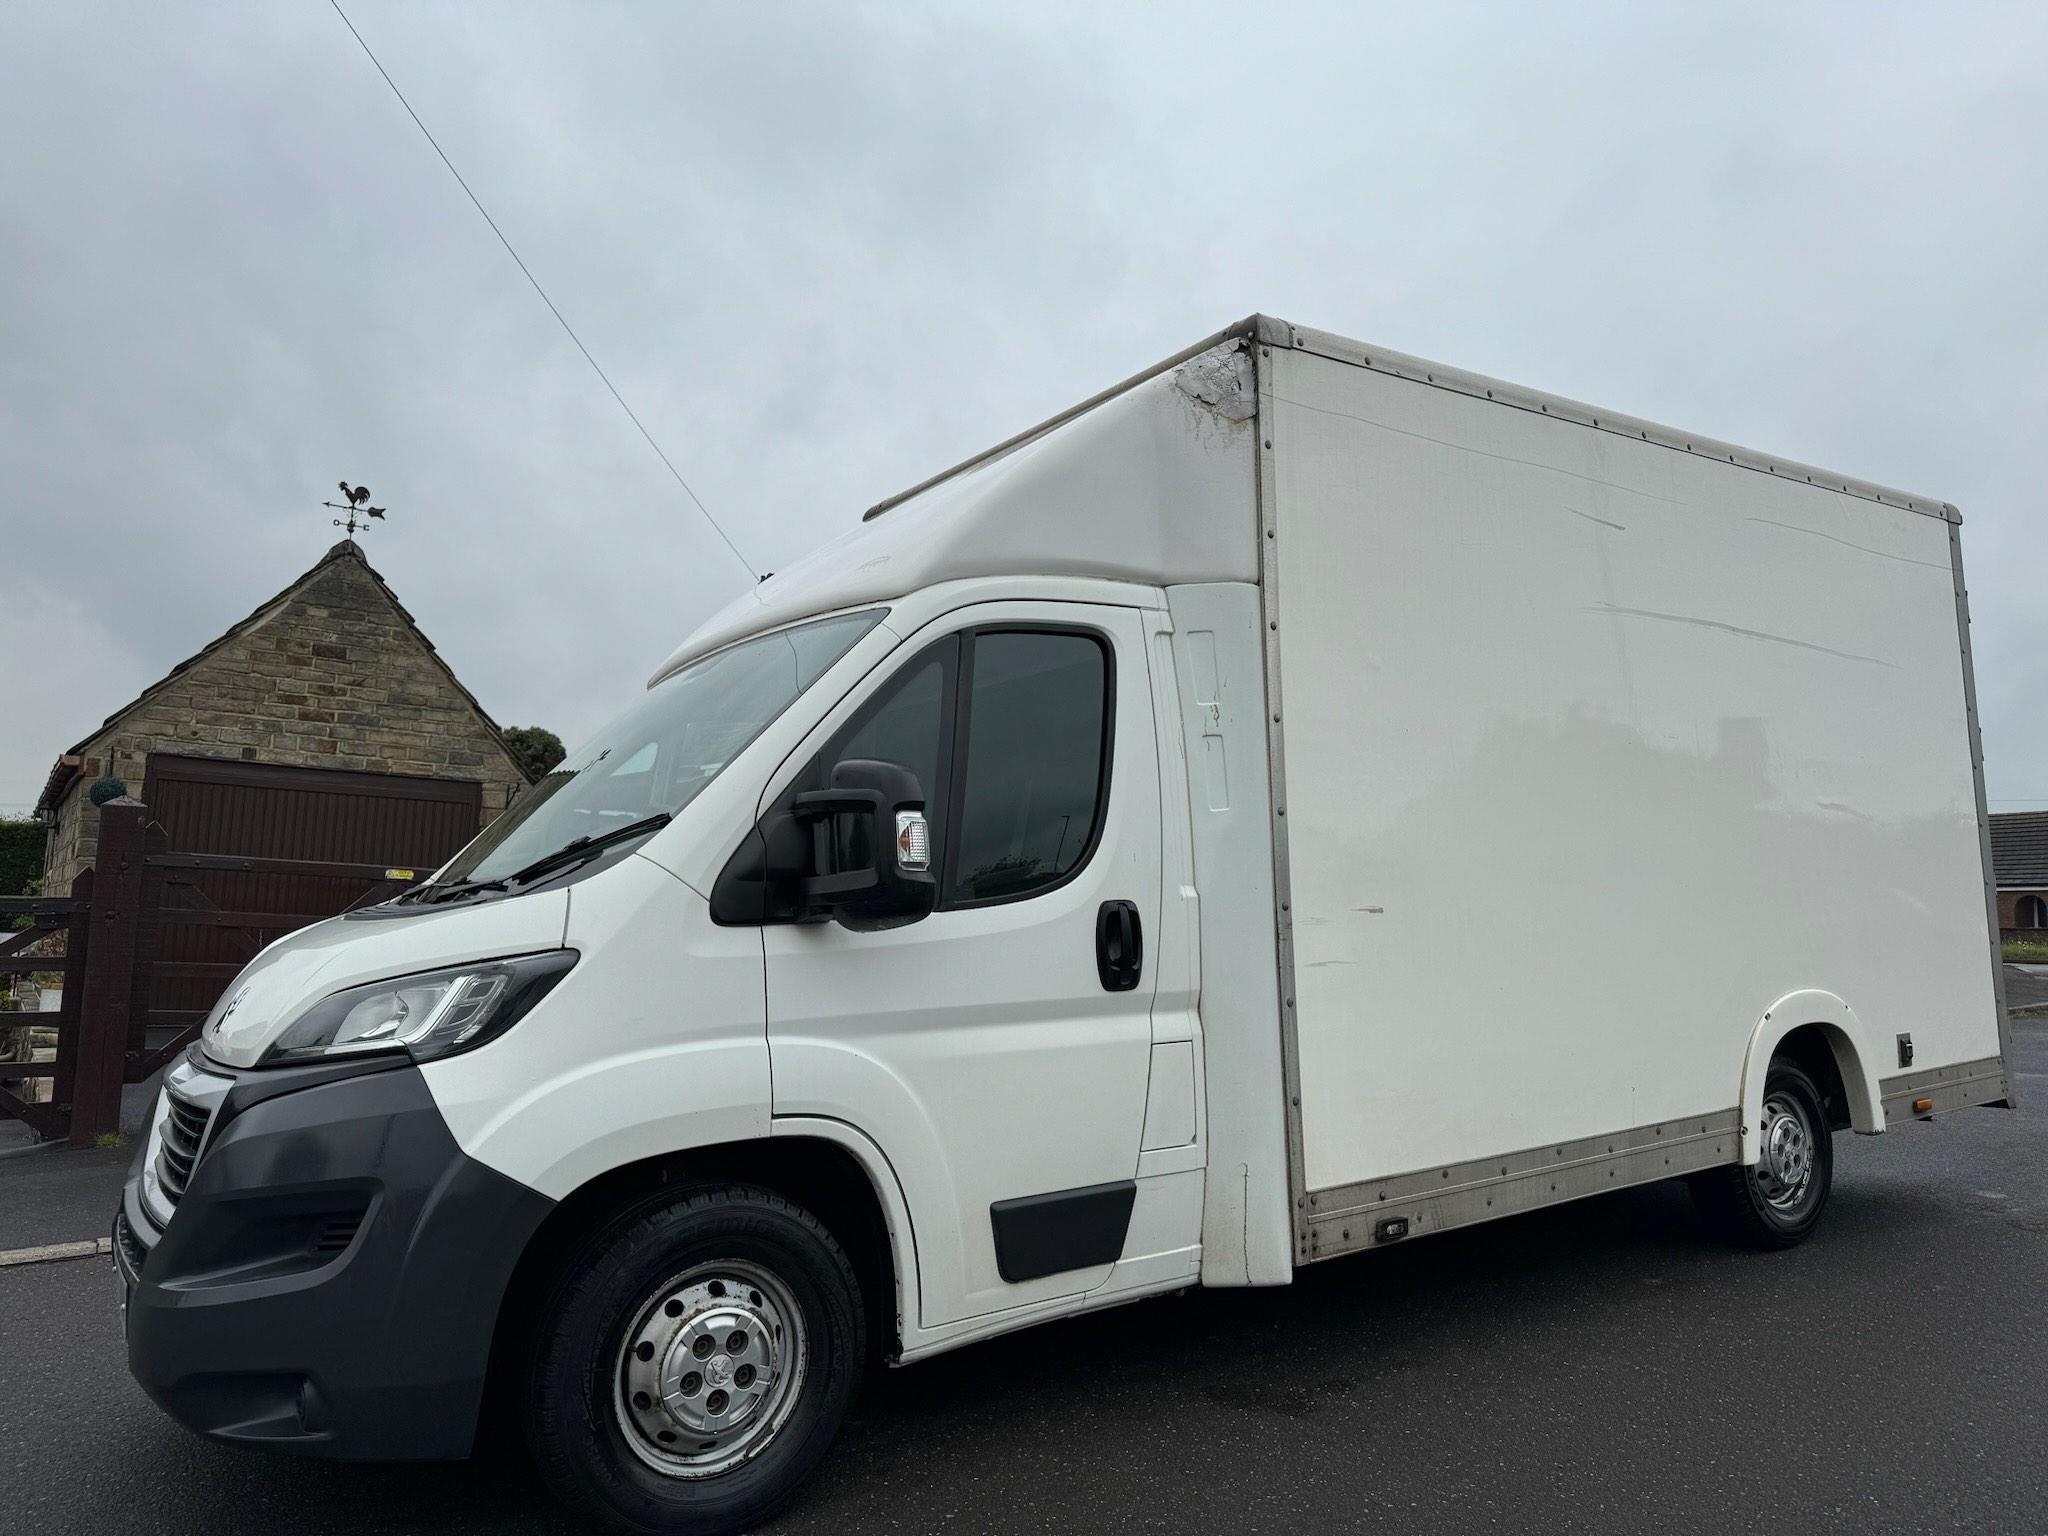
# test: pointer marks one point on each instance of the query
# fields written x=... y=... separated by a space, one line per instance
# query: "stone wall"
x=330 y=675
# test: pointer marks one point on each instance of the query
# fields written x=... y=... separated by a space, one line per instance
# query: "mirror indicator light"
x=913 y=842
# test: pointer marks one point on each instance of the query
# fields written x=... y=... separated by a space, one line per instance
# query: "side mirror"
x=870 y=846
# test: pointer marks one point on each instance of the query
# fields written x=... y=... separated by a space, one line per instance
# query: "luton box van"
x=1299 y=801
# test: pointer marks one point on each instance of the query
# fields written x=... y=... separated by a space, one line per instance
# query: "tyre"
x=1776 y=1203
x=693 y=1362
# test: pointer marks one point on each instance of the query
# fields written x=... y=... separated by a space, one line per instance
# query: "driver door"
x=997 y=1050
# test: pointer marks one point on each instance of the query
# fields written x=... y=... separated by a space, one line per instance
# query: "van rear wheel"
x=695 y=1360
x=1779 y=1200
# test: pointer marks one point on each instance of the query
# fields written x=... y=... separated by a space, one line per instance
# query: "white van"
x=1301 y=799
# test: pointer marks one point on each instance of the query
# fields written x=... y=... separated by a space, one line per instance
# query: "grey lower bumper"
x=331 y=1277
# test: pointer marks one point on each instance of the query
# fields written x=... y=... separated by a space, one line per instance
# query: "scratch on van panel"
x=1374 y=910
x=1505 y=458
x=1737 y=629
x=1602 y=521
x=1932 y=565
x=1317 y=965
x=1843 y=810
x=1244 y=1197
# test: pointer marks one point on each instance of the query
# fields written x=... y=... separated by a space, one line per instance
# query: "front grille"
x=335 y=1234
x=183 y=1129
x=131 y=1245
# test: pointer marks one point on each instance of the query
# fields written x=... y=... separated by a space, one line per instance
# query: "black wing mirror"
x=869 y=862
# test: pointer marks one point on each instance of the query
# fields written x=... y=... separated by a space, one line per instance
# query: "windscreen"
x=658 y=755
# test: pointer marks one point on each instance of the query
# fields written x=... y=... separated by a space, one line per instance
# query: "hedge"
x=21 y=855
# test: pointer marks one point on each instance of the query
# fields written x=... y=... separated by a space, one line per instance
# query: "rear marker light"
x=1923 y=1106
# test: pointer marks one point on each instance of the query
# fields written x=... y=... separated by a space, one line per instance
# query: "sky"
x=827 y=250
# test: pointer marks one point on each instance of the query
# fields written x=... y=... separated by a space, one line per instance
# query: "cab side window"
x=909 y=722
x=1008 y=732
x=1033 y=768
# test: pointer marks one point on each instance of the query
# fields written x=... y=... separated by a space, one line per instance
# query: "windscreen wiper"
x=440 y=893
x=583 y=848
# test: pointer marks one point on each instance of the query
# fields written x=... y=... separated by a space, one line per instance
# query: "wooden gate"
x=183 y=893
x=251 y=850
x=50 y=939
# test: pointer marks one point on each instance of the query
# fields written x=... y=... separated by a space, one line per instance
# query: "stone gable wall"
x=331 y=677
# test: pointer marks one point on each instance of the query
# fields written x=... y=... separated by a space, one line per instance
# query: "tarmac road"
x=1601 y=1368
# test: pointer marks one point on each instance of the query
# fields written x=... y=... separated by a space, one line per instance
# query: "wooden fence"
x=110 y=1029
x=51 y=941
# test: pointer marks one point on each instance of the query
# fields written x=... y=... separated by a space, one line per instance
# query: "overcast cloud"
x=825 y=251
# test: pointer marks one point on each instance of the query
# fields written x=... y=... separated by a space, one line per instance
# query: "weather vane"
x=353 y=506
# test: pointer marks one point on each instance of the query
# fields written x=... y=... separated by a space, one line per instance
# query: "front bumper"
x=330 y=1277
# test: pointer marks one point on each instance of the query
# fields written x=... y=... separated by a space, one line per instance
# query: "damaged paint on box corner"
x=1219 y=386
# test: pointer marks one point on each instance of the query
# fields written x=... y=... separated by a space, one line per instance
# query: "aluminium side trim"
x=1347 y=1218
x=1421 y=371
x=1955 y=556
x=1983 y=1081
x=1267 y=492
x=1267 y=331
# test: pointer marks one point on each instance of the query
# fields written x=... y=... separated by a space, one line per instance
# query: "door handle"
x=1119 y=946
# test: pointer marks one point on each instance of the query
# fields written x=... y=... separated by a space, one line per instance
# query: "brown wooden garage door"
x=261 y=811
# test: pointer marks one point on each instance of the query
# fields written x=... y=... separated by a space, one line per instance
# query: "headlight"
x=429 y=1015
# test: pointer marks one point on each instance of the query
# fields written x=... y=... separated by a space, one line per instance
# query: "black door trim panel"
x=1038 y=1235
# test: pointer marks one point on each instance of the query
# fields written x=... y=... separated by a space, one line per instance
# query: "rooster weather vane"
x=354 y=496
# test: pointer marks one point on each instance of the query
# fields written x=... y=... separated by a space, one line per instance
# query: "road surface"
x=1601 y=1368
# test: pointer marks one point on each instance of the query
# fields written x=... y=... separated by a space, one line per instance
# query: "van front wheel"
x=1776 y=1202
x=694 y=1362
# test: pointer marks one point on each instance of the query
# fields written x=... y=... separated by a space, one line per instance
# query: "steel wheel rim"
x=709 y=1369
x=1784 y=1171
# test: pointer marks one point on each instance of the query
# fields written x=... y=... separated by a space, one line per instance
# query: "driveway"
x=2026 y=986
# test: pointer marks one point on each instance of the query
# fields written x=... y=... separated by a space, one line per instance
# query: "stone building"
x=327 y=697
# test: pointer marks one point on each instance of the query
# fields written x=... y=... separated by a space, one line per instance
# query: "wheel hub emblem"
x=719 y=1371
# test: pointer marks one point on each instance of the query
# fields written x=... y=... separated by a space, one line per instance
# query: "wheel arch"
x=1821 y=1032
x=830 y=1168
